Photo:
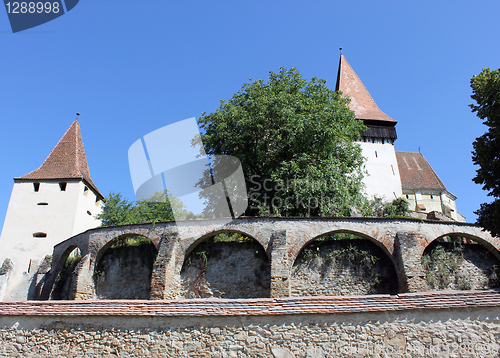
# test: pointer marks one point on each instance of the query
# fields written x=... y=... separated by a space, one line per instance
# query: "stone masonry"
x=403 y=240
x=411 y=325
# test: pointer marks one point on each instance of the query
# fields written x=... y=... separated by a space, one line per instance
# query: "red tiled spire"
x=362 y=102
x=66 y=161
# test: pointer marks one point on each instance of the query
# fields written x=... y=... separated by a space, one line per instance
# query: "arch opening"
x=460 y=262
x=226 y=265
x=65 y=282
x=123 y=268
x=343 y=263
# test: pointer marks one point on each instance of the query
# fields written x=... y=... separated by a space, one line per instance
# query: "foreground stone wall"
x=445 y=324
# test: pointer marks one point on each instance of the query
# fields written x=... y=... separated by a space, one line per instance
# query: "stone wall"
x=448 y=324
x=226 y=270
x=403 y=241
x=452 y=266
x=343 y=267
x=125 y=273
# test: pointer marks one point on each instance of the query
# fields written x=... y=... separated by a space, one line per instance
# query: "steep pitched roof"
x=362 y=102
x=66 y=161
x=416 y=172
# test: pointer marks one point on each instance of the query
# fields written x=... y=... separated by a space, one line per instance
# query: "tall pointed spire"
x=66 y=161
x=362 y=102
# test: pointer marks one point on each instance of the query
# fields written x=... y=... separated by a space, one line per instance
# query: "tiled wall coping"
x=433 y=300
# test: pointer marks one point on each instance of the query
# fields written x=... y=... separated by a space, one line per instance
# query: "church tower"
x=377 y=142
x=48 y=205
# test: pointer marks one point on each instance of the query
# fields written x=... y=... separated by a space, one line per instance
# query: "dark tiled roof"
x=257 y=306
x=416 y=172
x=362 y=102
x=66 y=161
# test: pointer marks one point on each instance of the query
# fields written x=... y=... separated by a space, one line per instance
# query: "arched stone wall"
x=480 y=240
x=282 y=238
x=294 y=256
x=223 y=269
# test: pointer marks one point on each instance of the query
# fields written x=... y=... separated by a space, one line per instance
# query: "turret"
x=377 y=142
x=48 y=205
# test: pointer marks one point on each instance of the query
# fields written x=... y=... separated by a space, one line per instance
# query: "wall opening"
x=40 y=235
x=86 y=191
x=65 y=283
x=42 y=204
x=124 y=269
x=227 y=265
x=454 y=262
x=62 y=186
x=36 y=186
x=343 y=264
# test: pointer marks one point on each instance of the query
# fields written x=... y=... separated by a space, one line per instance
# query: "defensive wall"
x=412 y=325
x=403 y=240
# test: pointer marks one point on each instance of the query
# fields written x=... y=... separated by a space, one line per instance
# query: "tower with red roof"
x=48 y=205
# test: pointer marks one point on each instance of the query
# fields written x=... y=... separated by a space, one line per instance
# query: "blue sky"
x=130 y=67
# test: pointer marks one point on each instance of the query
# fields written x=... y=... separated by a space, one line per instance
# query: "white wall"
x=64 y=216
x=383 y=178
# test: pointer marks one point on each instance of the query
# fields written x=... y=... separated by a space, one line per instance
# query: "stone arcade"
x=403 y=240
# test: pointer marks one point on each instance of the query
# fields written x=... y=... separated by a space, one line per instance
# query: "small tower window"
x=42 y=204
x=36 y=186
x=88 y=212
x=39 y=234
x=432 y=197
x=407 y=196
x=62 y=186
x=376 y=155
x=86 y=191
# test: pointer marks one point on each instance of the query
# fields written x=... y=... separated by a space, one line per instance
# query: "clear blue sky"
x=130 y=67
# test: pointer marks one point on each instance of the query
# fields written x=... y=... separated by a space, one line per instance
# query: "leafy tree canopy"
x=486 y=153
x=398 y=207
x=295 y=140
x=119 y=211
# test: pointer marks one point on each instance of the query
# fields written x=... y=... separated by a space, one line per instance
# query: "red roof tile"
x=362 y=102
x=256 y=306
x=66 y=161
x=416 y=172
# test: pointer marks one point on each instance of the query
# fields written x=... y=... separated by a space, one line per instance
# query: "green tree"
x=486 y=153
x=119 y=211
x=295 y=140
x=398 y=207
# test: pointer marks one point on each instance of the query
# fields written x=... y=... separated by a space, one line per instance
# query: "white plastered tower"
x=48 y=205
x=377 y=142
